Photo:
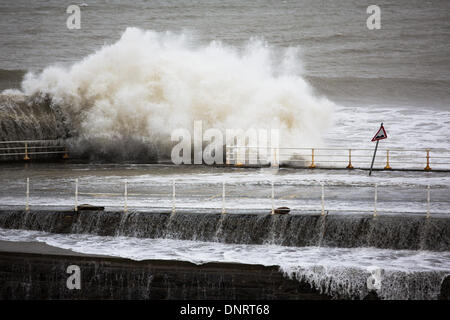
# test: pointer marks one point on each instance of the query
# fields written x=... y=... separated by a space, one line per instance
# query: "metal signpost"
x=380 y=135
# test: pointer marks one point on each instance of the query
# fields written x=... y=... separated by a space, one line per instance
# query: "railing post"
x=125 y=209
x=173 y=196
x=312 y=165
x=428 y=168
x=26 y=152
x=375 y=201
x=240 y=155
x=273 y=200
x=223 y=197
x=27 y=204
x=428 y=201
x=66 y=154
x=349 y=159
x=275 y=162
x=387 y=167
x=76 y=194
x=323 y=199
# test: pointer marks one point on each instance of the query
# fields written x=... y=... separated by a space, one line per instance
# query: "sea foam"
x=148 y=84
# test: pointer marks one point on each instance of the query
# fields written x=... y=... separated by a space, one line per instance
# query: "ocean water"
x=312 y=68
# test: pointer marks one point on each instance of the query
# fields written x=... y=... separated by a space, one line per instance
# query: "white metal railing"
x=387 y=159
x=322 y=209
x=30 y=148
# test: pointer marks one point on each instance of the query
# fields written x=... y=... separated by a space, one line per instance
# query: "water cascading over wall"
x=30 y=118
x=347 y=231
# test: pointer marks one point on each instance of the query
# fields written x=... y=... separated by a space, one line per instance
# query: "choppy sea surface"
x=398 y=75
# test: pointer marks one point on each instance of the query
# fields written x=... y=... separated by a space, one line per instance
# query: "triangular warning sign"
x=381 y=134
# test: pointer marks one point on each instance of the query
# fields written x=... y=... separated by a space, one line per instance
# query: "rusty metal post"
x=349 y=159
x=275 y=162
x=387 y=167
x=66 y=154
x=26 y=152
x=428 y=168
x=312 y=166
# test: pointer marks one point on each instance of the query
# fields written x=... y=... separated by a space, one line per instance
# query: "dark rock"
x=282 y=210
x=89 y=207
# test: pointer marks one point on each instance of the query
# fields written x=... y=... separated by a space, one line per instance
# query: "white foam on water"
x=408 y=127
x=339 y=272
x=148 y=84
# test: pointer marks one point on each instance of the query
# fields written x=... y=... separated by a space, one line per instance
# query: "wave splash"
x=135 y=92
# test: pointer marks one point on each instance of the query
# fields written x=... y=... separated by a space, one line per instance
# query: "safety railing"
x=28 y=149
x=227 y=197
x=335 y=158
x=340 y=158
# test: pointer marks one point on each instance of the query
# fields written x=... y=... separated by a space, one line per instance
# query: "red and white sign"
x=381 y=134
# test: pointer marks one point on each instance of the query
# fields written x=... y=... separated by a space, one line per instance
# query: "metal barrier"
x=326 y=158
x=322 y=208
x=340 y=158
x=31 y=148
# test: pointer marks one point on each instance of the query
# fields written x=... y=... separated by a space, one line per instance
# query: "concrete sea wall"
x=44 y=276
x=390 y=232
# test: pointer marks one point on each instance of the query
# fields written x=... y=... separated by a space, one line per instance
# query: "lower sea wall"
x=44 y=276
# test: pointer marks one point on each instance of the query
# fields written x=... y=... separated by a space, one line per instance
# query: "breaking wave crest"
x=128 y=97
